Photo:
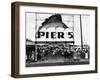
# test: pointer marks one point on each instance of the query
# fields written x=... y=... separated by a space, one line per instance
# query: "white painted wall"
x=5 y=40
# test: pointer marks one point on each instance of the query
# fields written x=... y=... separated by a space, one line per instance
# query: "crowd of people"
x=39 y=52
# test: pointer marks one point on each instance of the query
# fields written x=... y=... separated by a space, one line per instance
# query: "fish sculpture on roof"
x=53 y=21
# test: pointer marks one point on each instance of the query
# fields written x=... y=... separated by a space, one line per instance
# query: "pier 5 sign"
x=54 y=29
x=55 y=36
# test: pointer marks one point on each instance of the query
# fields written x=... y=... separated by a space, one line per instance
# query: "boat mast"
x=81 y=32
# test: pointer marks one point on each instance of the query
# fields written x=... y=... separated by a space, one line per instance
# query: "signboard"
x=55 y=35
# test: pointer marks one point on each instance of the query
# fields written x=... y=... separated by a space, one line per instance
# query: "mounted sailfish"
x=54 y=21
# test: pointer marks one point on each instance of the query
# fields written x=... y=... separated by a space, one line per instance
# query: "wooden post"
x=81 y=33
x=35 y=54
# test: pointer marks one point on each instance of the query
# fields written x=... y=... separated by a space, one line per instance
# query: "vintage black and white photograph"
x=57 y=39
x=52 y=39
